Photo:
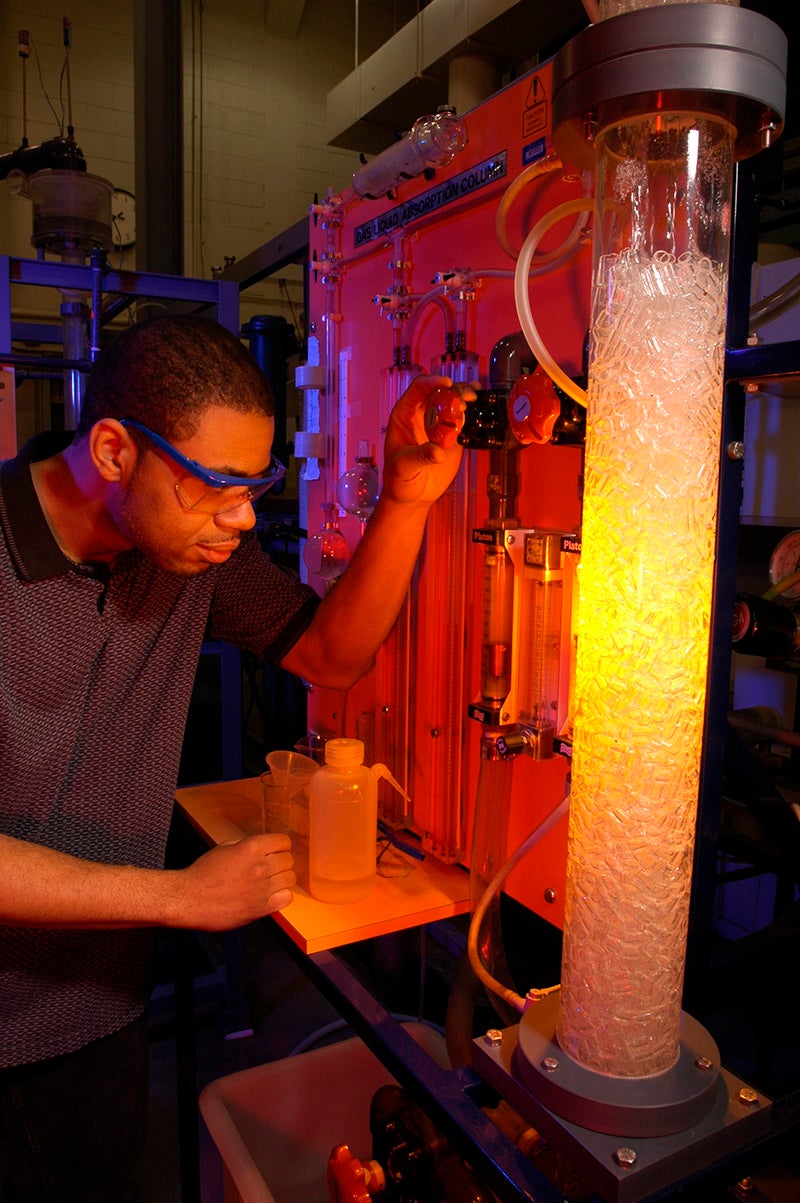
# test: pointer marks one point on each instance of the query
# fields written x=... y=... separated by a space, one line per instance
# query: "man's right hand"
x=231 y=885
x=237 y=882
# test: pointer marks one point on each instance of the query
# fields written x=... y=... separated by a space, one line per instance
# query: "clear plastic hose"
x=522 y=299
x=532 y=172
x=776 y=304
x=491 y=983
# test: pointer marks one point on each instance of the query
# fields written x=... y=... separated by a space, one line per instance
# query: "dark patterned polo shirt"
x=96 y=673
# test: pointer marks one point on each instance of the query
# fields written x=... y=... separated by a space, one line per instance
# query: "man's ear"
x=113 y=451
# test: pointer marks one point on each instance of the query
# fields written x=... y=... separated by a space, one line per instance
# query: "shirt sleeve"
x=258 y=605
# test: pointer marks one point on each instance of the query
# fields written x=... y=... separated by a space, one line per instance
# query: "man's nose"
x=241 y=517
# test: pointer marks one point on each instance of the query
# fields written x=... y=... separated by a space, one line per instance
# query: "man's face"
x=150 y=514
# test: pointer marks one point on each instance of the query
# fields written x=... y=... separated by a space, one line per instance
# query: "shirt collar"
x=35 y=552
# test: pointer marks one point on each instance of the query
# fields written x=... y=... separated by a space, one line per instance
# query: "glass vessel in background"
x=326 y=553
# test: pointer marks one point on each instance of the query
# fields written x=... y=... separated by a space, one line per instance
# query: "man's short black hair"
x=166 y=371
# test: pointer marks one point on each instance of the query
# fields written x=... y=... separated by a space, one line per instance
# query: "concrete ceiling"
x=408 y=76
x=283 y=17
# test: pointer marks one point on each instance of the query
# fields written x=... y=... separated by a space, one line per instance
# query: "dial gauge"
x=785 y=560
x=123 y=218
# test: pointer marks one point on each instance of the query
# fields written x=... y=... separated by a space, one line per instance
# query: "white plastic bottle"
x=343 y=823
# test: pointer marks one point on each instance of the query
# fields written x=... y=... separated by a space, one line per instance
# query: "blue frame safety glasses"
x=204 y=490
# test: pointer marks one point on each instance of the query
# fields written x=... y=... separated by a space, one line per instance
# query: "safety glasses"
x=202 y=489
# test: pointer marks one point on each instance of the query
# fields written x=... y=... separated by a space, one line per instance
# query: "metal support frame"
x=730 y=491
x=290 y=246
x=776 y=362
x=221 y=296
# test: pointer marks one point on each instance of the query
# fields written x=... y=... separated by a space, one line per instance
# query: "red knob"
x=533 y=406
x=444 y=416
x=351 y=1180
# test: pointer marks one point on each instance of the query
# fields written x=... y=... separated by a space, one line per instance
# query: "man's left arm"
x=355 y=618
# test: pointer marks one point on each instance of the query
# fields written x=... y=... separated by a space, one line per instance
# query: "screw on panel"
x=626 y=1158
x=753 y=386
x=550 y=895
x=735 y=450
x=550 y=1064
x=704 y=1064
x=748 y=1096
x=493 y=1037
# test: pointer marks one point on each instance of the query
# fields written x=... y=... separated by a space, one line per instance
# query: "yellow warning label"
x=534 y=114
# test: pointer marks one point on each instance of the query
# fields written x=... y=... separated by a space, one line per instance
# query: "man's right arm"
x=232 y=884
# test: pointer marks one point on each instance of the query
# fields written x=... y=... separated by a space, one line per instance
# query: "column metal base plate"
x=729 y=1125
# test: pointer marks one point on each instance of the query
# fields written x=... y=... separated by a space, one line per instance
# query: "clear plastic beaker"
x=284 y=793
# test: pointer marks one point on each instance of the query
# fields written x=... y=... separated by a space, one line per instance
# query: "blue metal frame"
x=221 y=295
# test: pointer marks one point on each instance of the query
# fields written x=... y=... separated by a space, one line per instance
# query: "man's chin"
x=190 y=569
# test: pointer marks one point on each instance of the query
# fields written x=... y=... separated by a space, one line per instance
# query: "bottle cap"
x=344 y=753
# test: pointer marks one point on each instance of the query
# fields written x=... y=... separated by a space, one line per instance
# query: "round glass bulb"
x=357 y=490
x=326 y=554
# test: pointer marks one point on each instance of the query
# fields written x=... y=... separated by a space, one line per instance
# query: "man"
x=120 y=550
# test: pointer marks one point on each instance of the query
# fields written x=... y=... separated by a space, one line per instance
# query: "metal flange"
x=656 y=1105
x=713 y=59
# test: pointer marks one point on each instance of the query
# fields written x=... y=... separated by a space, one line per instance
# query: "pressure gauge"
x=785 y=560
x=123 y=218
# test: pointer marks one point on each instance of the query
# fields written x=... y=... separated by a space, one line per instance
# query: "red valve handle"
x=351 y=1180
x=444 y=416
x=533 y=407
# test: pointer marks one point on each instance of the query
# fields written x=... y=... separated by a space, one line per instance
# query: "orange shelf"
x=229 y=810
